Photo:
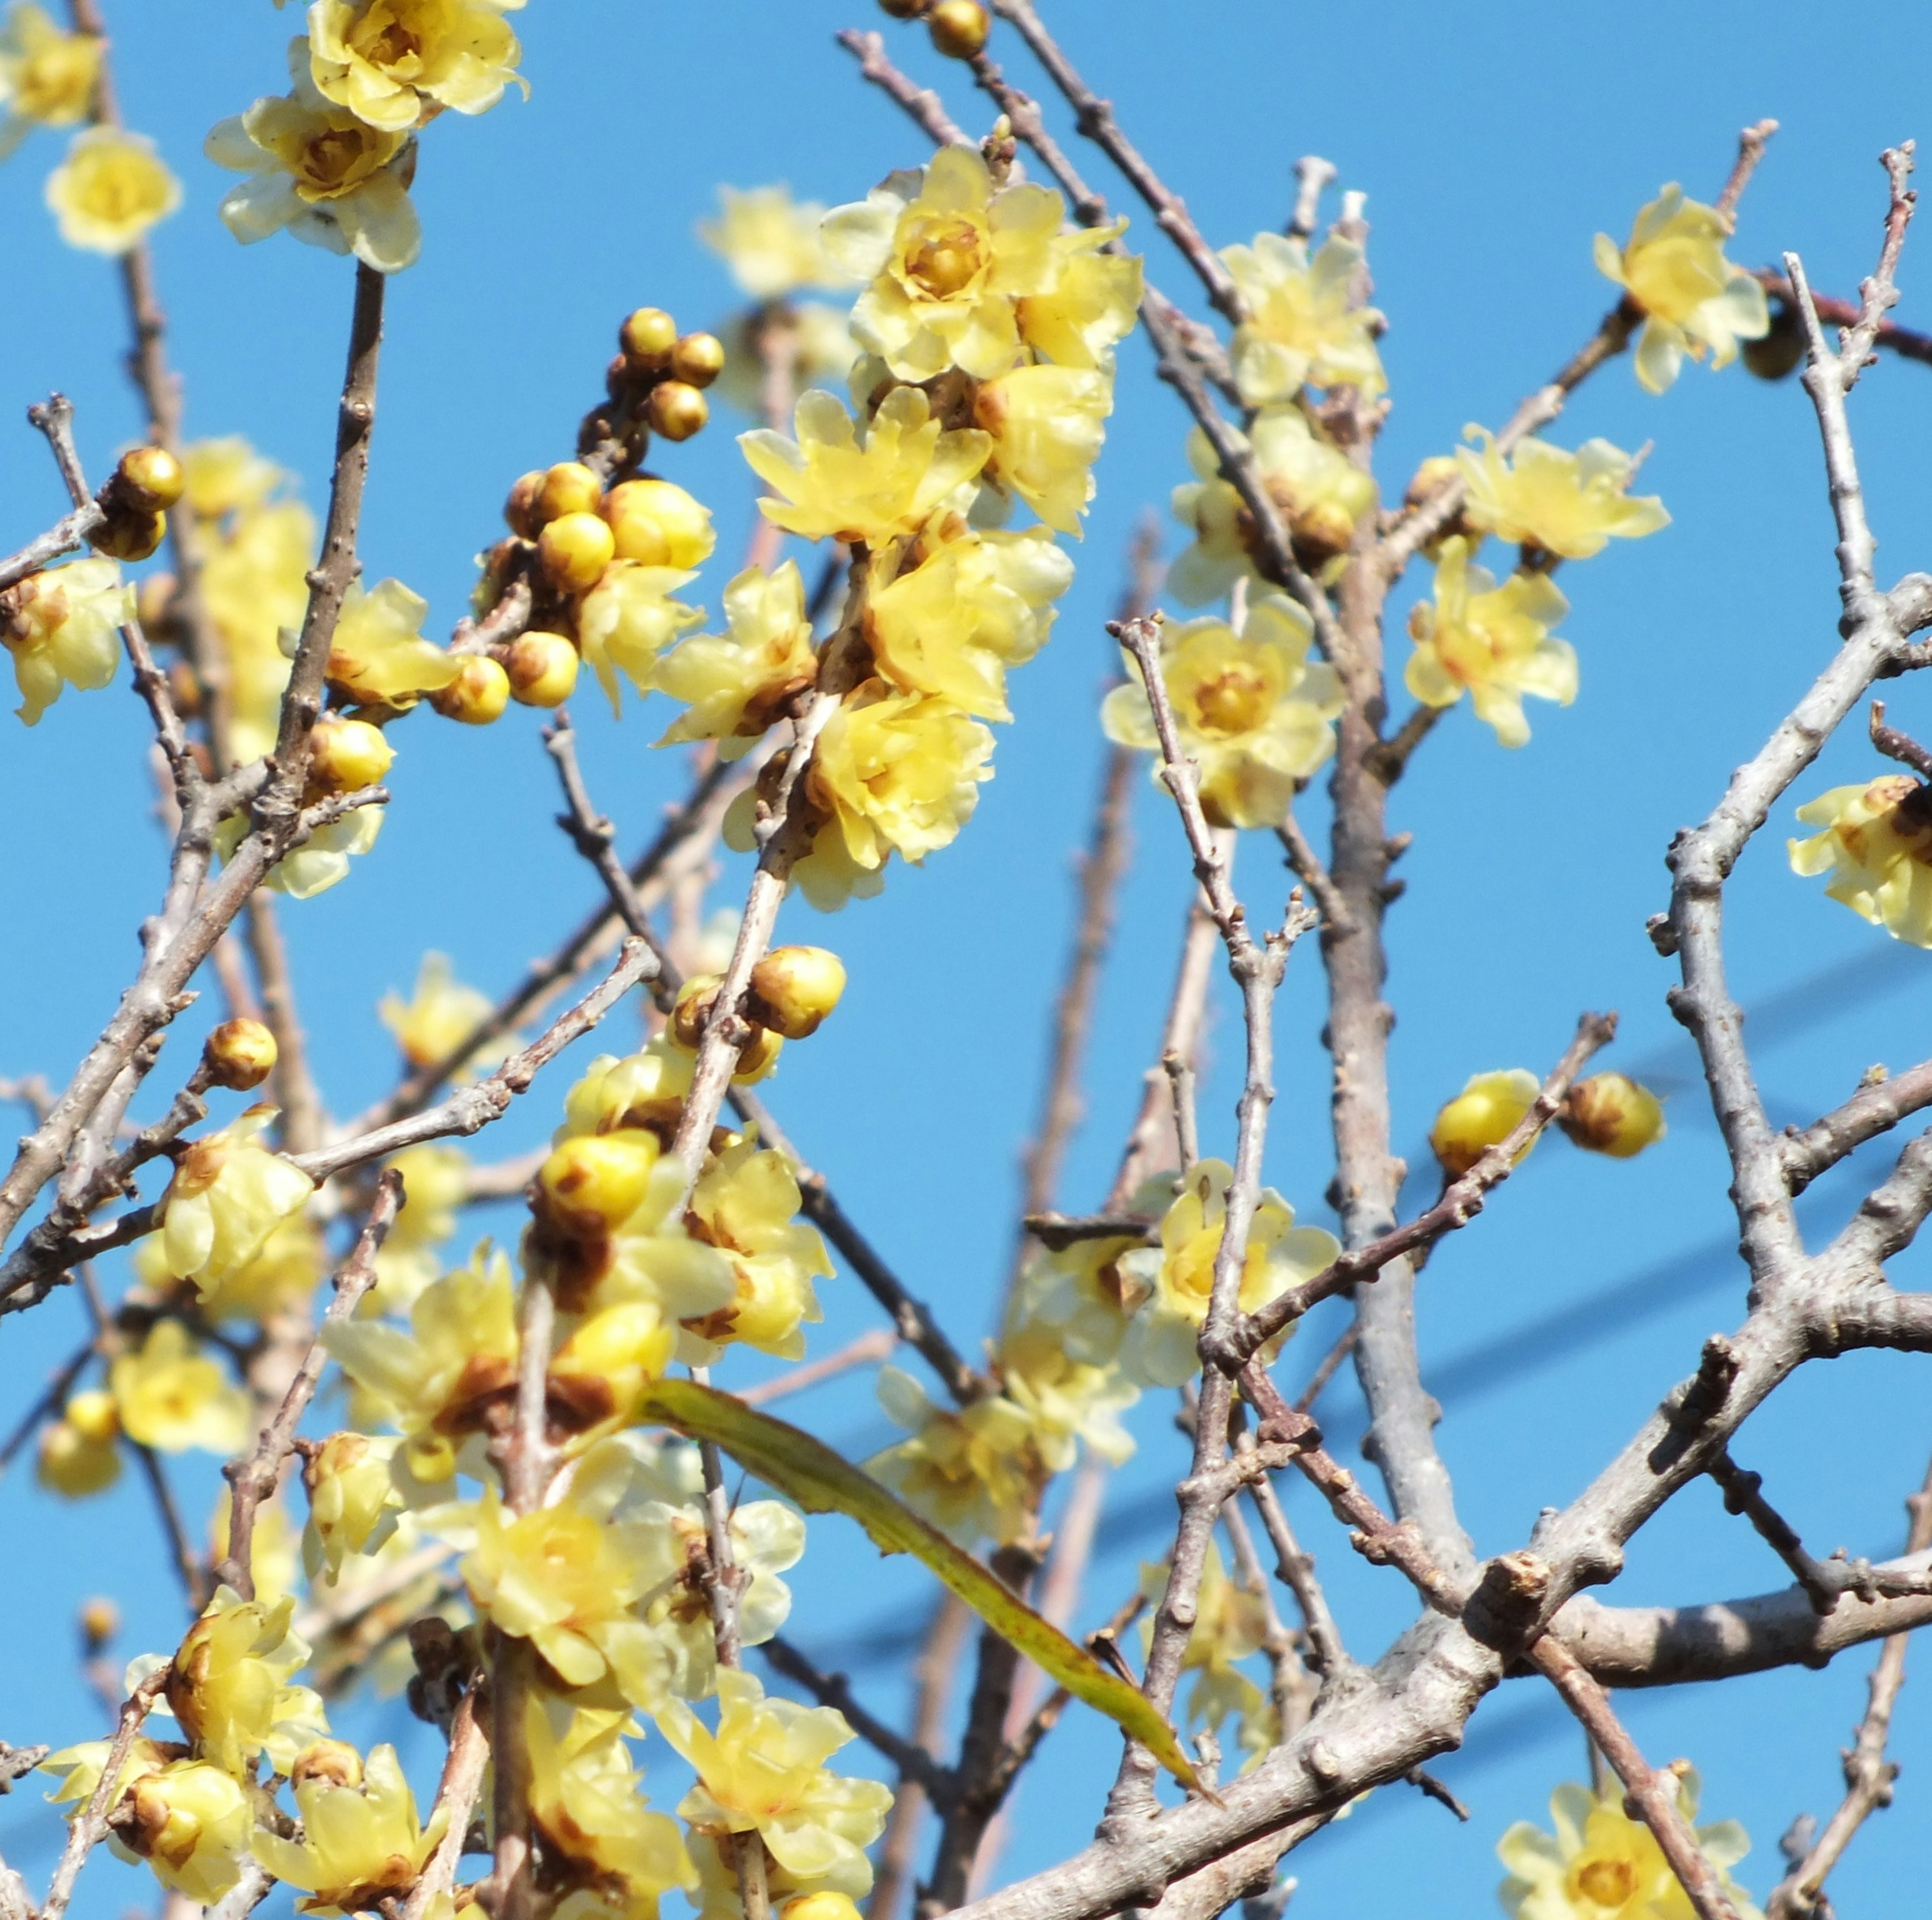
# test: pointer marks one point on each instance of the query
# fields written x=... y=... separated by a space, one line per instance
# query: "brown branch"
x=1879 y=294
x=304 y=1123
x=921 y=104
x=90 y=1827
x=1306 y=865
x=1152 y=1134
x=1899 y=746
x=1751 y=144
x=1742 y=1495
x=1906 y=342
x=456 y=1796
x=1331 y=1363
x=1056 y=1232
x=1871 y=1111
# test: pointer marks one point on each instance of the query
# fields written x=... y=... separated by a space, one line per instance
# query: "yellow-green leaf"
x=811 y=1473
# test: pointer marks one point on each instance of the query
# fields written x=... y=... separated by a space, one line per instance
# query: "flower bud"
x=758 y=1057
x=698 y=359
x=93 y=1415
x=541 y=668
x=569 y=487
x=239 y=1054
x=958 y=27
x=154 y=600
x=130 y=535
x=1609 y=1113
x=647 y=338
x=186 y=1810
x=150 y=479
x=575 y=550
x=1434 y=473
x=346 y=755
x=676 y=410
x=100 y=1621
x=820 y=1905
x=693 y=1008
x=605 y=1365
x=904 y=9
x=1321 y=531
x=1778 y=350
x=520 y=510
x=1481 y=1116
x=594 y=1183
x=793 y=988
x=478 y=694
x=334 y=1762
x=69 y=1463
x=658 y=524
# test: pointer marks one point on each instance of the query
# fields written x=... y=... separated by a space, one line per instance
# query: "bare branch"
x=1751 y=143
x=921 y=102
x=1871 y=1111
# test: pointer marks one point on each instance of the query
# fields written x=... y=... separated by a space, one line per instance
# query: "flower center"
x=944 y=260
x=332 y=158
x=1235 y=701
x=1608 y=1882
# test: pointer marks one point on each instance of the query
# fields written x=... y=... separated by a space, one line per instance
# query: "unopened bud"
x=1482 y=1115
x=676 y=410
x=100 y=1621
x=520 y=510
x=239 y=1054
x=541 y=668
x=1609 y=1113
x=334 y=1762
x=698 y=359
x=132 y=535
x=820 y=1906
x=903 y=10
x=69 y=1463
x=569 y=487
x=347 y=755
x=478 y=694
x=150 y=479
x=575 y=550
x=93 y=1415
x=601 y=1369
x=658 y=524
x=154 y=600
x=793 y=988
x=595 y=1182
x=1431 y=477
x=959 y=27
x=647 y=338
x=693 y=1007
x=1321 y=532
x=758 y=1057
x=1778 y=351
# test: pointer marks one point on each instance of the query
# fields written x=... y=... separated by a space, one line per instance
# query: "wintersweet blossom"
x=323 y=860
x=79 y=1453
x=626 y=622
x=361 y=1842
x=229 y=1193
x=111 y=187
x=226 y=476
x=971 y=1473
x=80 y=1766
x=1482 y=1115
x=838 y=486
x=1173 y=1281
x=1230 y=1624
x=1047 y=424
x=395 y=63
x=1065 y=1401
x=1078 y=1291
x=190 y=1822
x=1572 y=504
x=287 y=1269
x=331 y=179
x=1494 y=643
x=47 y=77
x=62 y=628
x=736 y=684
x=1303 y=329
x=763 y=1771
x=172 y=1397
x=378 y=656
x=228 y=1685
x=771 y=243
x=439 y=1016
x=1601 y=1864
x=1875 y=842
x=1091 y=303
x=352 y=1500
x=275 y=1547
x=1252 y=711
x=1694 y=301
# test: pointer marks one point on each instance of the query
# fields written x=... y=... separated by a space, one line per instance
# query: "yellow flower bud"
x=239 y=1054
x=190 y=1822
x=541 y=668
x=347 y=755
x=794 y=988
x=594 y=1183
x=334 y=1762
x=676 y=410
x=693 y=1008
x=100 y=1621
x=959 y=27
x=1608 y=1113
x=658 y=524
x=1434 y=473
x=132 y=536
x=603 y=1367
x=904 y=9
x=520 y=510
x=1481 y=1116
x=478 y=694
x=574 y=550
x=647 y=338
x=820 y=1905
x=70 y=1464
x=569 y=487
x=150 y=479
x=92 y=1414
x=698 y=359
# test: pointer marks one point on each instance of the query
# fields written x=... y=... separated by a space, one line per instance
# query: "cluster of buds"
x=792 y=991
x=654 y=384
x=135 y=499
x=1608 y=1113
x=958 y=27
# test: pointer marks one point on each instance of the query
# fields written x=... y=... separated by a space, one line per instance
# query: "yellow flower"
x=435 y=1183
x=763 y=1772
x=976 y=604
x=745 y=1205
x=439 y=1016
x=1251 y=712
x=1230 y=1624
x=1601 y=1864
x=947 y=255
x=1876 y=845
x=1173 y=1281
x=316 y=170
x=274 y=1549
x=836 y=487
x=1091 y=304
x=110 y=189
x=395 y=64
x=1065 y=1400
x=255 y=558
x=1047 y=424
x=771 y=243
x=46 y=76
x=1572 y=504
x=352 y=1501
x=227 y=1196
x=228 y=1685
x=227 y=476
x=736 y=683
x=379 y=656
x=1305 y=330
x=1482 y=1115
x=172 y=1397
x=1493 y=642
x=80 y=1767
x=360 y=1844
x=1080 y=1293
x=1694 y=301
x=78 y=1455
x=62 y=627
x=323 y=858
x=717 y=1896
x=972 y=1473
x=628 y=619
x=289 y=1267
x=190 y=1822
x=1319 y=491
x=644 y=1090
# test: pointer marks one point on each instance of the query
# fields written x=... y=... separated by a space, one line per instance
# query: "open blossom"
x=46 y=76
x=227 y=1196
x=1303 y=330
x=1078 y=1292
x=971 y=1473
x=1173 y=1281
x=835 y=486
x=1252 y=711
x=329 y=178
x=976 y=604
x=395 y=63
x=1494 y=643
x=378 y=656
x=62 y=628
x=288 y=1267
x=1875 y=842
x=172 y=1397
x=1572 y=504
x=626 y=622
x=1065 y=1400
x=1047 y=424
x=763 y=1771
x=1091 y=303
x=323 y=859
x=361 y=1842
x=1230 y=1624
x=439 y=1016
x=110 y=189
x=736 y=684
x=1601 y=1864
x=228 y=1685
x=190 y=1822
x=1694 y=301
x=1320 y=492
x=771 y=243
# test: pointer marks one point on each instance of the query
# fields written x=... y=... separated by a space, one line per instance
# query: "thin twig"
x=90 y=1827
x=866 y=1351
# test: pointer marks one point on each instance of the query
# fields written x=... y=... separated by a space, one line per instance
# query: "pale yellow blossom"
x=1572 y=504
x=1230 y=1624
x=1875 y=841
x=626 y=622
x=228 y=1685
x=379 y=656
x=736 y=684
x=1304 y=329
x=395 y=63
x=172 y=1397
x=771 y=243
x=62 y=628
x=1047 y=424
x=360 y=1844
x=973 y=1474
x=439 y=1016
x=190 y=1822
x=228 y=1194
x=47 y=77
x=111 y=187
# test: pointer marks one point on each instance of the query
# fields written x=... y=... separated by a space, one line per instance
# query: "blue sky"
x=1492 y=143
